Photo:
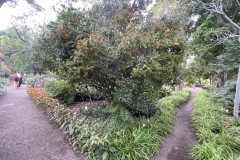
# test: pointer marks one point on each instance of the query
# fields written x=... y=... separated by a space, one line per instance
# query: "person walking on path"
x=15 y=80
x=20 y=81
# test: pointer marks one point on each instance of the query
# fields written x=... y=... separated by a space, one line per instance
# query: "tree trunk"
x=90 y=98
x=199 y=81
x=213 y=81
x=237 y=97
x=225 y=78
x=222 y=80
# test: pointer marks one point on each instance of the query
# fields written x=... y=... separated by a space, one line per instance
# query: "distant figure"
x=20 y=81
x=194 y=86
x=15 y=80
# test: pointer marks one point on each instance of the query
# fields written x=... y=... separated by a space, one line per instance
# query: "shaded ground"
x=178 y=144
x=25 y=132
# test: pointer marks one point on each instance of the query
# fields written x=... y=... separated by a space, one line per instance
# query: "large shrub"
x=128 y=67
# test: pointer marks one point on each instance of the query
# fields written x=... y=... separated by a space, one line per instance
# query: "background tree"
x=18 y=54
x=217 y=36
x=175 y=10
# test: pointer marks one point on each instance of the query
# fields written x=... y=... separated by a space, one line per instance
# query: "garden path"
x=178 y=144
x=25 y=132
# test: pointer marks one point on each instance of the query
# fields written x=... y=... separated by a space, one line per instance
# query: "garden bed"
x=217 y=132
x=110 y=132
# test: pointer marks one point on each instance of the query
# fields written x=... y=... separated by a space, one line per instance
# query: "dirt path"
x=25 y=132
x=177 y=145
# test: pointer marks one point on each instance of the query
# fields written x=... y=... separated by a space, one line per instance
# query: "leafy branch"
x=20 y=35
x=218 y=8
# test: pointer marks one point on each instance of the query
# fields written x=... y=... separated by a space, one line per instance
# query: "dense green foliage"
x=3 y=83
x=36 y=80
x=218 y=134
x=228 y=63
x=18 y=54
x=66 y=93
x=4 y=70
x=61 y=90
x=91 y=130
x=216 y=52
x=225 y=95
x=84 y=51
x=216 y=46
x=214 y=58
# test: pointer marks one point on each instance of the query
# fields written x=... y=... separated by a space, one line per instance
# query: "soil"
x=25 y=132
x=179 y=142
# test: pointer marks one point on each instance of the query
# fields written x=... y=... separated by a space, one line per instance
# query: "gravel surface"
x=25 y=132
x=178 y=144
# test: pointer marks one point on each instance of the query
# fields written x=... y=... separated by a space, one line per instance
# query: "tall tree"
x=226 y=14
x=18 y=54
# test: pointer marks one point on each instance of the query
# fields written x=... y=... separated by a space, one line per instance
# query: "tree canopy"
x=18 y=54
x=216 y=40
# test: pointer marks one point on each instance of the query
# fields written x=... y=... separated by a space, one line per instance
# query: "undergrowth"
x=3 y=83
x=218 y=135
x=106 y=131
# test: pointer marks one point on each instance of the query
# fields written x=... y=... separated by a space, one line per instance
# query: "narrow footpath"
x=25 y=132
x=178 y=144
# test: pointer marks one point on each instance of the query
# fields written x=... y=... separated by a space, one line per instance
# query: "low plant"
x=68 y=93
x=3 y=83
x=216 y=132
x=105 y=131
x=2 y=90
x=36 y=81
x=135 y=142
x=61 y=90
x=140 y=138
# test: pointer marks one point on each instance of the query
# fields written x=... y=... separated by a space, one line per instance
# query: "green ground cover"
x=105 y=131
x=217 y=132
